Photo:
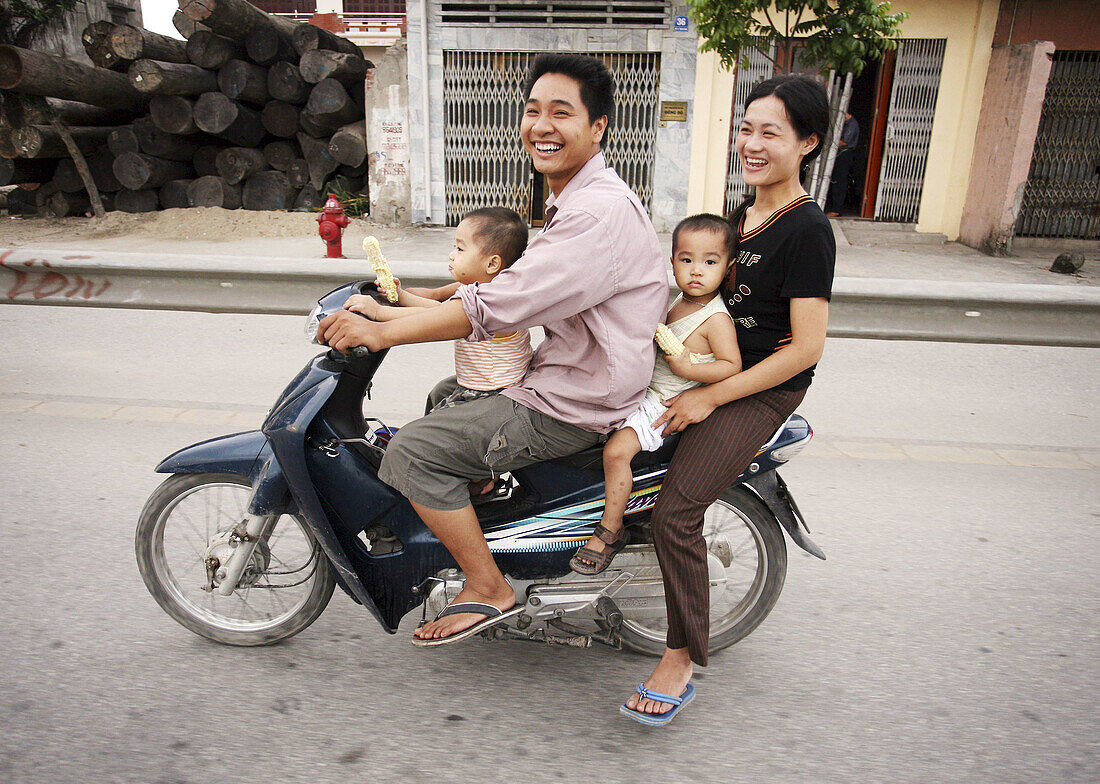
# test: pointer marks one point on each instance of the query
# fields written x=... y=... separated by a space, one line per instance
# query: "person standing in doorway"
x=842 y=166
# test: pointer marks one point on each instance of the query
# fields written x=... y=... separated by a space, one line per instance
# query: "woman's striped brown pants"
x=710 y=455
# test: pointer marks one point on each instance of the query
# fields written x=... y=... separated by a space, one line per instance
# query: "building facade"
x=973 y=128
x=466 y=68
x=372 y=25
x=1053 y=189
x=983 y=126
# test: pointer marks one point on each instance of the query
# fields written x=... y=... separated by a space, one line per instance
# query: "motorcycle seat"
x=591 y=459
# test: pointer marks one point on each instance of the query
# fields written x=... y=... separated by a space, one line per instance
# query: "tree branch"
x=78 y=161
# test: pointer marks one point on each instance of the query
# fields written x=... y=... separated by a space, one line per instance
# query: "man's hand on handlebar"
x=344 y=330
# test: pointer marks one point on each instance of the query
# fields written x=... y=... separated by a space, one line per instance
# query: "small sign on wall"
x=680 y=24
x=674 y=111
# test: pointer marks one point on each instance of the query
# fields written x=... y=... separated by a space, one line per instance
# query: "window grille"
x=484 y=160
x=287 y=6
x=376 y=7
x=574 y=13
x=1062 y=196
x=309 y=7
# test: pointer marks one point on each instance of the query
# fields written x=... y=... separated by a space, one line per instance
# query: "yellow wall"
x=967 y=25
x=710 y=135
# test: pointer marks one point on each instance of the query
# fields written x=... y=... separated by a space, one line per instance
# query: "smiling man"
x=593 y=277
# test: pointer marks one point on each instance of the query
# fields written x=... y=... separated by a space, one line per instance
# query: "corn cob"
x=668 y=342
x=380 y=267
x=671 y=345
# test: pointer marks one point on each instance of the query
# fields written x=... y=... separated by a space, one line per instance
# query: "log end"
x=11 y=67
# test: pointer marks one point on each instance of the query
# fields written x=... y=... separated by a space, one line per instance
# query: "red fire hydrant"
x=332 y=222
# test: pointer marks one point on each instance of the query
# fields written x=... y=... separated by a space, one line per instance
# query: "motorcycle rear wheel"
x=286 y=586
x=742 y=529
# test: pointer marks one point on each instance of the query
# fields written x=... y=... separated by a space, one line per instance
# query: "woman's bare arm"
x=809 y=319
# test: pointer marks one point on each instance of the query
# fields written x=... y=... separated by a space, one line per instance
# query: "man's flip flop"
x=658 y=719
x=494 y=616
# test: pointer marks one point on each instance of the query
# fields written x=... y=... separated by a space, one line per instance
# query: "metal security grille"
x=574 y=13
x=909 y=128
x=484 y=160
x=1062 y=197
x=387 y=7
x=287 y=6
x=759 y=68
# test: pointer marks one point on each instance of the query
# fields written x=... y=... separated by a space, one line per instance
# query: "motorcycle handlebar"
x=366 y=288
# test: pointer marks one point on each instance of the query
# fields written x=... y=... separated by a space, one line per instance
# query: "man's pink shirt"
x=594 y=278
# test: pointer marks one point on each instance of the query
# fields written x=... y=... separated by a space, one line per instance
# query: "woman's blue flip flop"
x=658 y=719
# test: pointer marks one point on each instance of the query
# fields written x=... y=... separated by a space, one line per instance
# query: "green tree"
x=22 y=21
x=838 y=35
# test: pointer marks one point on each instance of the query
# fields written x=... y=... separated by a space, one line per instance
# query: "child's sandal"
x=595 y=561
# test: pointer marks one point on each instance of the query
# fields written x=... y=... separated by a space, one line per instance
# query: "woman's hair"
x=499 y=231
x=806 y=103
x=715 y=224
x=596 y=83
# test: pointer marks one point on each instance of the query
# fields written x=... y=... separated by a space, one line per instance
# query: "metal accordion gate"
x=1062 y=196
x=484 y=160
x=758 y=68
x=909 y=128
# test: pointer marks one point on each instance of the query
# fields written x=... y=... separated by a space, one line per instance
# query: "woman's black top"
x=791 y=255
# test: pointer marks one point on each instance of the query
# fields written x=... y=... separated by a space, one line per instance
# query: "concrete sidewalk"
x=900 y=290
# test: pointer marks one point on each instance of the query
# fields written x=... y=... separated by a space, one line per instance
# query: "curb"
x=879 y=308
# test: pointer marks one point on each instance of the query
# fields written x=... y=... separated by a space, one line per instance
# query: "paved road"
x=950 y=636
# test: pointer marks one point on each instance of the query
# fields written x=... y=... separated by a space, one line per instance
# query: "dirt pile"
x=198 y=225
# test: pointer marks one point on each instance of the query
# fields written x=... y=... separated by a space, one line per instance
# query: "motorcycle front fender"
x=239 y=453
x=244 y=454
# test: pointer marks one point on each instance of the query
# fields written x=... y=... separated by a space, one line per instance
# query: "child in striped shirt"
x=487 y=242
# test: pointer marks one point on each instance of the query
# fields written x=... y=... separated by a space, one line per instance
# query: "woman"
x=780 y=304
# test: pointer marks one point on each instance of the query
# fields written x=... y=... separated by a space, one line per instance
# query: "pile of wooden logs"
x=252 y=111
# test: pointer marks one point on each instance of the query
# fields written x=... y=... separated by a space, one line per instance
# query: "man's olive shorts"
x=432 y=460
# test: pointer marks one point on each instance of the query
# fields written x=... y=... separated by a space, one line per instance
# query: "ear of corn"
x=668 y=342
x=380 y=267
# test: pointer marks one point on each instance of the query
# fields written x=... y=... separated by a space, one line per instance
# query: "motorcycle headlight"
x=312 y=321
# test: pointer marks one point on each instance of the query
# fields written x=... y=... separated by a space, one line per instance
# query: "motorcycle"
x=246 y=540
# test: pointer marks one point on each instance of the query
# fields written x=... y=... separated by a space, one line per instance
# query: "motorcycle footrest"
x=610 y=612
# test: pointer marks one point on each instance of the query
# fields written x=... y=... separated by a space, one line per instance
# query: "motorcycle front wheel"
x=746 y=538
x=182 y=537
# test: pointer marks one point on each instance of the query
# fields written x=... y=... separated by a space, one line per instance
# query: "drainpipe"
x=425 y=104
